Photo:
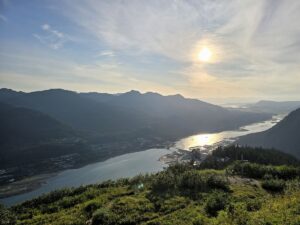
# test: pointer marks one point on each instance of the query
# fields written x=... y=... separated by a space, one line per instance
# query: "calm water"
x=127 y=165
x=226 y=136
x=132 y=164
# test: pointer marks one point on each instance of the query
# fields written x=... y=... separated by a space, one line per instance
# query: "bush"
x=253 y=155
x=218 y=182
x=258 y=171
x=196 y=181
x=163 y=183
x=273 y=185
x=238 y=214
x=190 y=182
x=6 y=216
x=68 y=202
x=173 y=204
x=200 y=220
x=91 y=206
x=253 y=205
x=103 y=216
x=216 y=201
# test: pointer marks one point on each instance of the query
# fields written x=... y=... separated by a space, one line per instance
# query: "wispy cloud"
x=251 y=39
x=170 y=28
x=106 y=53
x=51 y=37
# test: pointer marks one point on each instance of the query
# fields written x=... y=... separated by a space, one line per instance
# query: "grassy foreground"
x=237 y=192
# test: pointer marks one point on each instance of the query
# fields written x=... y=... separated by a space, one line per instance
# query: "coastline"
x=25 y=185
x=199 y=151
x=31 y=183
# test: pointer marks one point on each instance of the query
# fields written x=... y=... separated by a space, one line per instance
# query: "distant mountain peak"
x=132 y=92
x=54 y=92
x=177 y=96
x=153 y=93
x=8 y=90
x=6 y=94
x=60 y=90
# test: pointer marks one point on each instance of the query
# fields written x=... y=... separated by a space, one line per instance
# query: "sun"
x=205 y=55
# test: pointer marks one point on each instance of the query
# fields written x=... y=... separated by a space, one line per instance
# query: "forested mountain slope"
x=28 y=136
x=284 y=136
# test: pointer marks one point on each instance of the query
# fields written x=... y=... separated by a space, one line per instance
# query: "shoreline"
x=31 y=183
x=199 y=152
x=25 y=185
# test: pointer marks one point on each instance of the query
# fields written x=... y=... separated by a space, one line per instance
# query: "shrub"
x=254 y=155
x=274 y=185
x=91 y=206
x=218 y=182
x=253 y=205
x=173 y=204
x=192 y=181
x=6 y=216
x=179 y=168
x=163 y=182
x=216 y=201
x=196 y=181
x=238 y=213
x=268 y=177
x=200 y=220
x=258 y=171
x=68 y=202
x=103 y=216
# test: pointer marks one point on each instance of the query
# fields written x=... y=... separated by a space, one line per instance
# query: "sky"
x=119 y=45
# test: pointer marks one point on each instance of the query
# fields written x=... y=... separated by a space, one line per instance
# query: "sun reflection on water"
x=200 y=140
x=225 y=137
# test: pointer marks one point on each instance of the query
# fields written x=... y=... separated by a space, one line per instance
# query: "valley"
x=161 y=112
x=160 y=156
x=53 y=130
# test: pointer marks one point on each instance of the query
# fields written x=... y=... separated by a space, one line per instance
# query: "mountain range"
x=171 y=116
x=60 y=128
x=273 y=106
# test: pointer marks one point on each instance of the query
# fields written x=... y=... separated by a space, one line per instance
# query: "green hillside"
x=244 y=192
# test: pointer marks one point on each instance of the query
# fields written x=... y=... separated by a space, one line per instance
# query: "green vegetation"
x=224 y=156
x=275 y=185
x=6 y=216
x=247 y=193
x=254 y=170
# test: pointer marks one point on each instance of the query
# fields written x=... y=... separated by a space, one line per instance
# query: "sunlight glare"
x=205 y=54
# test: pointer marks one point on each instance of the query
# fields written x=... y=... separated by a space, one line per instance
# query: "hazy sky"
x=153 y=45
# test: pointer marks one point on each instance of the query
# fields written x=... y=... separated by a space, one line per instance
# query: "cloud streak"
x=251 y=38
x=51 y=37
x=106 y=53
